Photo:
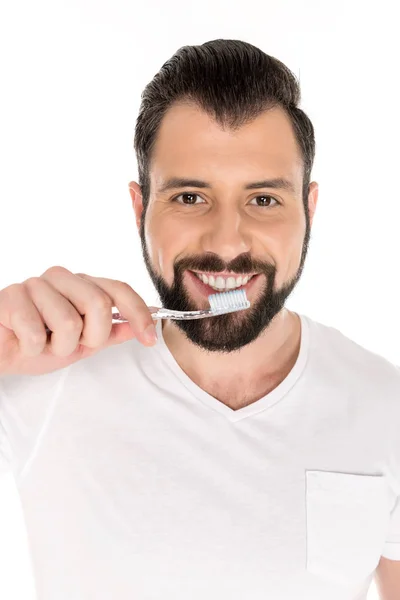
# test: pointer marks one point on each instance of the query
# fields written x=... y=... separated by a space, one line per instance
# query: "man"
x=250 y=455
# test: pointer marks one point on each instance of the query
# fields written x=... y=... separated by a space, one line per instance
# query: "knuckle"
x=55 y=270
x=9 y=293
x=72 y=324
x=123 y=287
x=32 y=281
x=102 y=302
x=24 y=321
x=10 y=289
x=126 y=295
x=37 y=338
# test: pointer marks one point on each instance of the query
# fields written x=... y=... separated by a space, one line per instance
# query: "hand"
x=77 y=308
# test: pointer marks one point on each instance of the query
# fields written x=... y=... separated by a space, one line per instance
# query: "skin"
x=191 y=144
x=387 y=579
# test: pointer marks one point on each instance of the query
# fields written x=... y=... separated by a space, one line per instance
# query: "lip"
x=207 y=290
x=223 y=274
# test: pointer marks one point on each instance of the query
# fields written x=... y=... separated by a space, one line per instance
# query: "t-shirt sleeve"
x=26 y=406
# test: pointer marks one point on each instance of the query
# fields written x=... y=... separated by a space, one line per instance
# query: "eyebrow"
x=278 y=183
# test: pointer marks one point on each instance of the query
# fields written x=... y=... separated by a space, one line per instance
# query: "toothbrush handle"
x=118 y=317
x=165 y=313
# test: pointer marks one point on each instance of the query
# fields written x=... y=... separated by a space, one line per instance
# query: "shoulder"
x=340 y=357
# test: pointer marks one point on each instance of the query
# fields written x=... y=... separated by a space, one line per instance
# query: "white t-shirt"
x=137 y=484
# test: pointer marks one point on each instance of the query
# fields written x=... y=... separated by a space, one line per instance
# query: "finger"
x=19 y=314
x=58 y=313
x=129 y=304
x=91 y=302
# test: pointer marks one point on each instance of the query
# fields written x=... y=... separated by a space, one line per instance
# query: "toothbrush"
x=220 y=304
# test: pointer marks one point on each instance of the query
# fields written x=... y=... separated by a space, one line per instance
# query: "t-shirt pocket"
x=347 y=521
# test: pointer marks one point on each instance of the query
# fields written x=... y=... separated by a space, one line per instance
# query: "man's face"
x=225 y=223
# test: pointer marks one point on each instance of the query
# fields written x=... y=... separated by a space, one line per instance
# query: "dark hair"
x=231 y=80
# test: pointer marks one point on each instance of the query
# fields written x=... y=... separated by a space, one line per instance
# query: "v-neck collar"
x=252 y=409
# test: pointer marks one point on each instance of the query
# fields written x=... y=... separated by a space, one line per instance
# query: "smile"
x=221 y=283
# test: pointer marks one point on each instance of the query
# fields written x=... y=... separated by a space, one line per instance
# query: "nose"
x=225 y=234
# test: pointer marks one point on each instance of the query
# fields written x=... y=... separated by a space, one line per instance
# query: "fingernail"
x=149 y=334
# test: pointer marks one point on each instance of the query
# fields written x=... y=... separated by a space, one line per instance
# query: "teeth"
x=220 y=283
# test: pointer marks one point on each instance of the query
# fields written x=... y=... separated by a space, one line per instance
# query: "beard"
x=229 y=332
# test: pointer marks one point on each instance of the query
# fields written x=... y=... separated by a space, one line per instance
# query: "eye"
x=187 y=198
x=264 y=201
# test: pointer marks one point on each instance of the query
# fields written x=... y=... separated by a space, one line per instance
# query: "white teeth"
x=230 y=283
x=220 y=283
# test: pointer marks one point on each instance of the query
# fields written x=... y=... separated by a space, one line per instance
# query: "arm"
x=387 y=578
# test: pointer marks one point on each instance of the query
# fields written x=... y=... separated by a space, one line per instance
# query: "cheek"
x=155 y=244
x=288 y=249
x=167 y=240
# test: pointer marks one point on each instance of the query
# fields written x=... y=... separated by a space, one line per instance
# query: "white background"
x=71 y=78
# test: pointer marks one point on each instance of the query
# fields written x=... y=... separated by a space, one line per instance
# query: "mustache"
x=243 y=263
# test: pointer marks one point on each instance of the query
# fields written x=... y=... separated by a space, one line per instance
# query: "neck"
x=259 y=366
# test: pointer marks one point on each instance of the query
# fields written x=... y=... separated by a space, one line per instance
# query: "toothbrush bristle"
x=226 y=302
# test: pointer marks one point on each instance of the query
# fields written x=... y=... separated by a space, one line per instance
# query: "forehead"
x=190 y=142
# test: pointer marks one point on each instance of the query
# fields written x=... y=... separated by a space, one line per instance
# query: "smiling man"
x=249 y=455
x=225 y=210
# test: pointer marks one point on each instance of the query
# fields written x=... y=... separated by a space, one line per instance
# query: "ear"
x=137 y=201
x=312 y=199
